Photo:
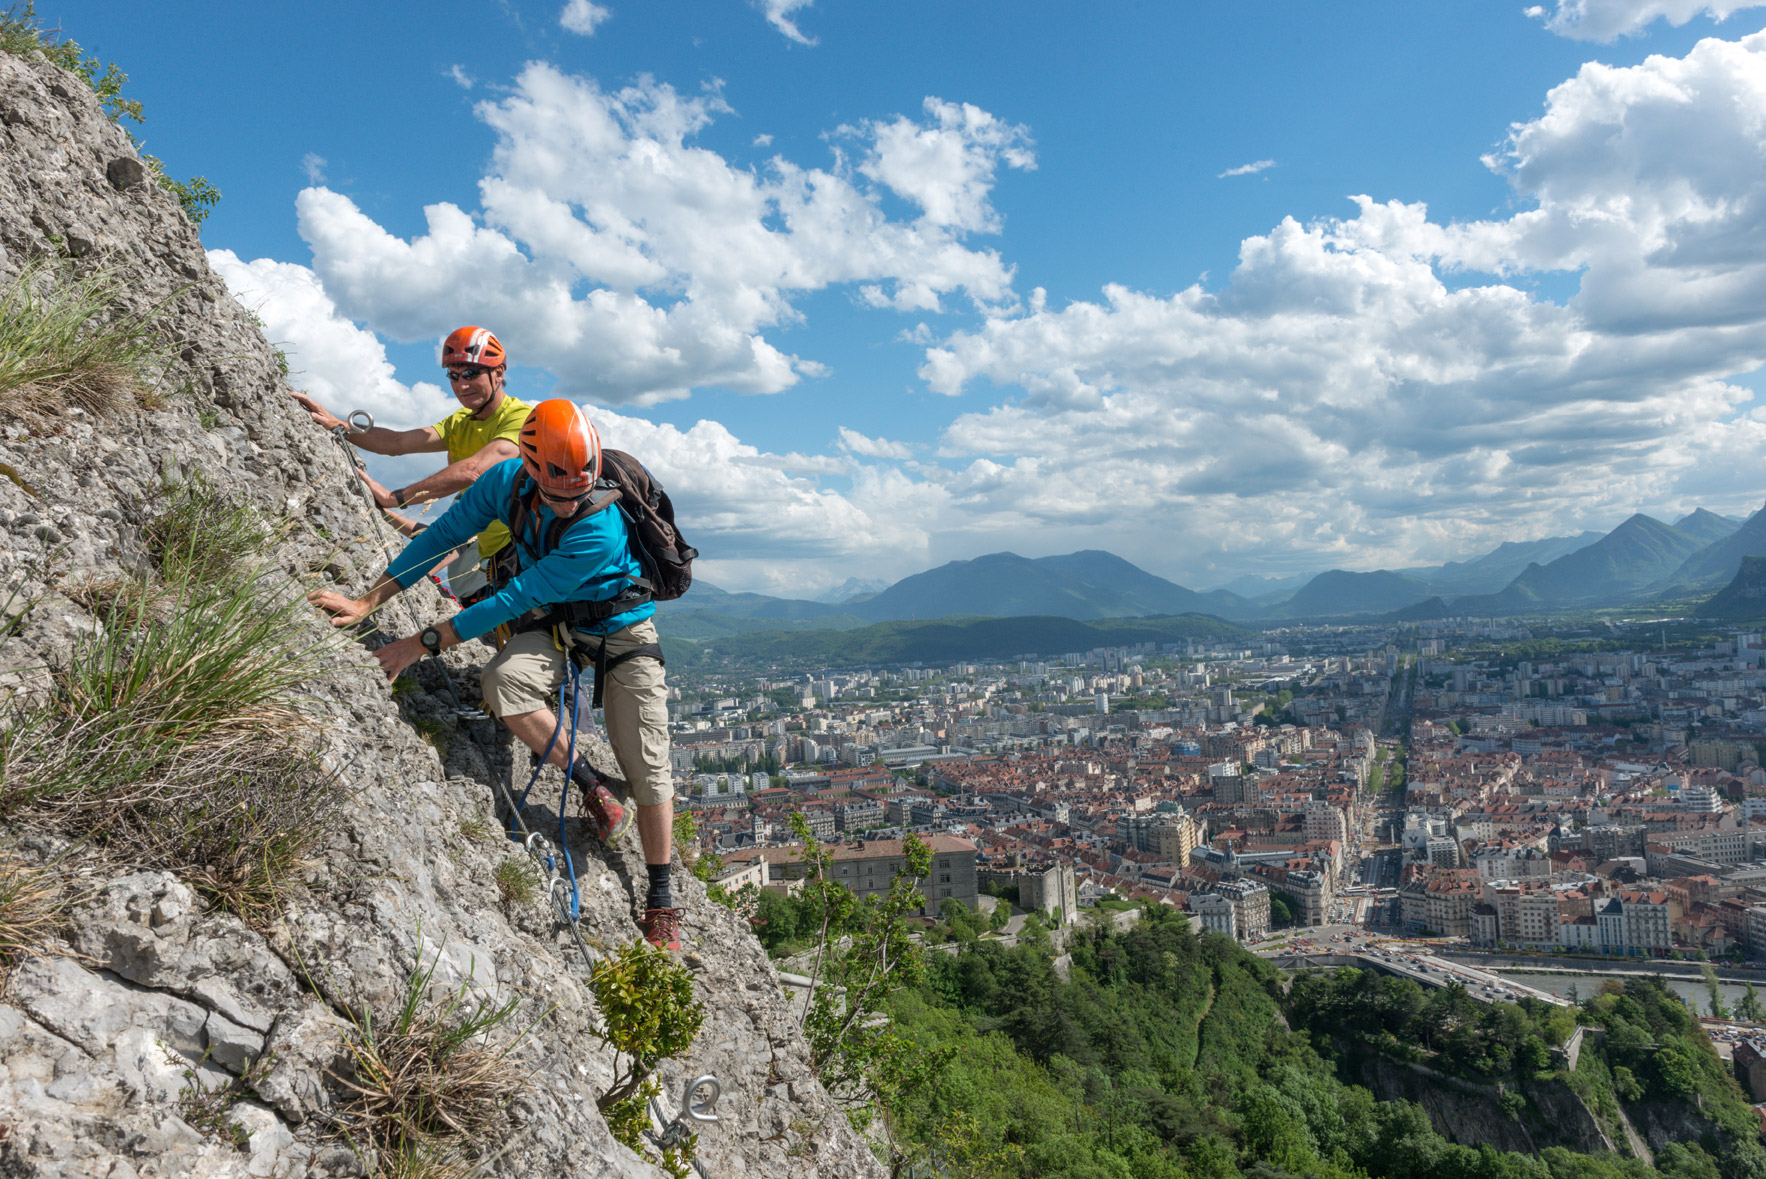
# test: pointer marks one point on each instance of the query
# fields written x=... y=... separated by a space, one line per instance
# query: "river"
x=1691 y=990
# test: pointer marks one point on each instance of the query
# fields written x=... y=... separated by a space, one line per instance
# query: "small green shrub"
x=63 y=342
x=648 y=1015
x=197 y=197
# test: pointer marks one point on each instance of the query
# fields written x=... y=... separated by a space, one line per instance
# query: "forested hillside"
x=1166 y=1054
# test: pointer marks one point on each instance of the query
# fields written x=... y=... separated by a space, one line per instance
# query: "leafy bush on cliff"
x=1165 y=1055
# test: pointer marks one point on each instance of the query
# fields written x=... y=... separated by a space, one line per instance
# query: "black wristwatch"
x=431 y=640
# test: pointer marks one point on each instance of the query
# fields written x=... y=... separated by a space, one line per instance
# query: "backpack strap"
x=522 y=513
x=580 y=615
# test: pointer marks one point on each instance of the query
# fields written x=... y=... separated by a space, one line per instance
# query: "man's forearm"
x=383 y=591
x=381 y=440
x=453 y=478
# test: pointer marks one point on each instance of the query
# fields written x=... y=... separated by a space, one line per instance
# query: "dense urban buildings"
x=1504 y=784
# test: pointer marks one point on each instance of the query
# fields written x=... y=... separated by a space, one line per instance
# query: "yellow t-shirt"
x=466 y=435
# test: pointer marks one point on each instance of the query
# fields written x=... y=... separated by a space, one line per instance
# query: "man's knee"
x=523 y=676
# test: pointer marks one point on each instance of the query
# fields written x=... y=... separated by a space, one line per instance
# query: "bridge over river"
x=1426 y=969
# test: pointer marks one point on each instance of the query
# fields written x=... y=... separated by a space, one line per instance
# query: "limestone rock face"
x=158 y=996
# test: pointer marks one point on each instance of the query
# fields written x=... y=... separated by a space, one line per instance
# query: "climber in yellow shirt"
x=480 y=434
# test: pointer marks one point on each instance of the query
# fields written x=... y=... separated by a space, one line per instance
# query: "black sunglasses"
x=466 y=374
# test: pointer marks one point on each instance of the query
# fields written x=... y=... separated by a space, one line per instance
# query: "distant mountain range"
x=851 y=588
x=1643 y=560
x=942 y=640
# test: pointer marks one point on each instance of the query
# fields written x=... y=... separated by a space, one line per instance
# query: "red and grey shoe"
x=609 y=819
x=662 y=928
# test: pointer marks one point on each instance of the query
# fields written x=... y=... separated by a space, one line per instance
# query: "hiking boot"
x=588 y=777
x=609 y=819
x=662 y=928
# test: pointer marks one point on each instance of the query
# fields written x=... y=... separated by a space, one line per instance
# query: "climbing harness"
x=673 y=1131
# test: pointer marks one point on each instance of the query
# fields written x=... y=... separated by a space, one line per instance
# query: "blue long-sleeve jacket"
x=592 y=563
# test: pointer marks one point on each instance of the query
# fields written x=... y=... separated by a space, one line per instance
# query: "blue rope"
x=571 y=683
x=571 y=686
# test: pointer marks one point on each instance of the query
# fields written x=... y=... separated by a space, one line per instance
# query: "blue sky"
x=1561 y=339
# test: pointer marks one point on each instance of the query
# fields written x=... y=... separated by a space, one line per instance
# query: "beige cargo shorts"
x=525 y=675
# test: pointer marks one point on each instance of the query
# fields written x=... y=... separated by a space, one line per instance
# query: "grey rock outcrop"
x=158 y=996
x=1471 y=1113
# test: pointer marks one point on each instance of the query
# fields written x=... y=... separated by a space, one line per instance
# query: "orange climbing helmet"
x=472 y=345
x=560 y=449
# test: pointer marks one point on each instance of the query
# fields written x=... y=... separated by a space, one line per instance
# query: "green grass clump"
x=173 y=737
x=172 y=740
x=518 y=880
x=63 y=342
x=203 y=535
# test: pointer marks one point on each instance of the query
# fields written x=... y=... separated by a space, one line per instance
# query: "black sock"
x=660 y=896
x=584 y=775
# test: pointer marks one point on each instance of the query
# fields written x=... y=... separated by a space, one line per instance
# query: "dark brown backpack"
x=657 y=545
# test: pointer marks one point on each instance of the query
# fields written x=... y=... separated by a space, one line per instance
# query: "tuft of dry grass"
x=202 y=534
x=427 y=1087
x=30 y=911
x=64 y=341
x=104 y=596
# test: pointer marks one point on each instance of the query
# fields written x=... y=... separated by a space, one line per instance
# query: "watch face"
x=430 y=638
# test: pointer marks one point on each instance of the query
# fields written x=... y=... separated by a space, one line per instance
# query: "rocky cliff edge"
x=150 y=995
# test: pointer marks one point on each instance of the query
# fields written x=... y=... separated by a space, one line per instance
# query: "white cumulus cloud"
x=1250 y=169
x=763 y=520
x=583 y=16
x=947 y=164
x=636 y=265
x=342 y=365
x=1608 y=20
x=461 y=78
x=1346 y=396
x=856 y=443
x=778 y=15
x=313 y=165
